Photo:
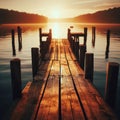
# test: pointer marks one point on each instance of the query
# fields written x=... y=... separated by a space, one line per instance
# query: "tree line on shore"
x=111 y=15
x=11 y=16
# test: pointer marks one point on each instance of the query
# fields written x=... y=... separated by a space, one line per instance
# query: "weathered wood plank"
x=60 y=91
x=68 y=50
x=59 y=44
x=70 y=105
x=52 y=50
x=49 y=105
x=66 y=110
x=56 y=50
x=25 y=107
x=88 y=95
x=17 y=110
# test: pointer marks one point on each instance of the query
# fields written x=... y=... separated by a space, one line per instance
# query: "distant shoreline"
x=61 y=23
x=110 y=16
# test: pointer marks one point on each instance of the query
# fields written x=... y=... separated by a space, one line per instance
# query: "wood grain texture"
x=60 y=91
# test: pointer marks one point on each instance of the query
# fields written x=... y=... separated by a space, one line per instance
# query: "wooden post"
x=35 y=61
x=68 y=34
x=82 y=56
x=111 y=83
x=19 y=38
x=77 y=50
x=108 y=44
x=13 y=42
x=73 y=44
x=89 y=66
x=40 y=38
x=40 y=34
x=50 y=35
x=85 y=36
x=16 y=78
x=93 y=36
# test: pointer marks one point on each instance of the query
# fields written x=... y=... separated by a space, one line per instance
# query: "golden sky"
x=59 y=8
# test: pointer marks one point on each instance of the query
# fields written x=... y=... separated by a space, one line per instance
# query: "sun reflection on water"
x=58 y=30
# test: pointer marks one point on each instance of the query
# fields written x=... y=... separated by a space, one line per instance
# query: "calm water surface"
x=31 y=39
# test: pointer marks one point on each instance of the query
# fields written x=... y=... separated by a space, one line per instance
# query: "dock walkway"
x=60 y=91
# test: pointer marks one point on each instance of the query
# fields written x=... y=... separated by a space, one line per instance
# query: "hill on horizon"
x=12 y=16
x=112 y=15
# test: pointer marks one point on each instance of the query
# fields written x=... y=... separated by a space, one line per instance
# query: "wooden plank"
x=18 y=105
x=56 y=51
x=62 y=54
x=49 y=105
x=70 y=106
x=72 y=54
x=59 y=44
x=84 y=100
x=52 y=46
x=66 y=110
x=76 y=108
x=25 y=107
x=43 y=70
x=77 y=34
x=45 y=34
x=60 y=91
x=44 y=78
x=93 y=110
x=66 y=49
x=106 y=111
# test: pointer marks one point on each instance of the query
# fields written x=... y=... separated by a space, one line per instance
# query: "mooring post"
x=108 y=44
x=16 y=78
x=85 y=36
x=89 y=66
x=77 y=47
x=35 y=60
x=40 y=35
x=111 y=83
x=73 y=45
x=13 y=42
x=82 y=56
x=71 y=41
x=50 y=35
x=93 y=36
x=68 y=34
x=19 y=38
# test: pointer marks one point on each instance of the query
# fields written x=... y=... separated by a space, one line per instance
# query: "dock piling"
x=85 y=36
x=89 y=66
x=108 y=44
x=111 y=83
x=35 y=60
x=82 y=56
x=13 y=42
x=93 y=36
x=19 y=38
x=16 y=78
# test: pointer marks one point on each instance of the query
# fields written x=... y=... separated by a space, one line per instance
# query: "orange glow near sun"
x=55 y=13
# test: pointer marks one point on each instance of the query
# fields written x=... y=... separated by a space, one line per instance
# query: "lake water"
x=30 y=38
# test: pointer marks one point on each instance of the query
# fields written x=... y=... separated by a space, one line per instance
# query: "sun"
x=55 y=14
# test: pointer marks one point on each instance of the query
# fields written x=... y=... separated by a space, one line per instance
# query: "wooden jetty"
x=60 y=91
